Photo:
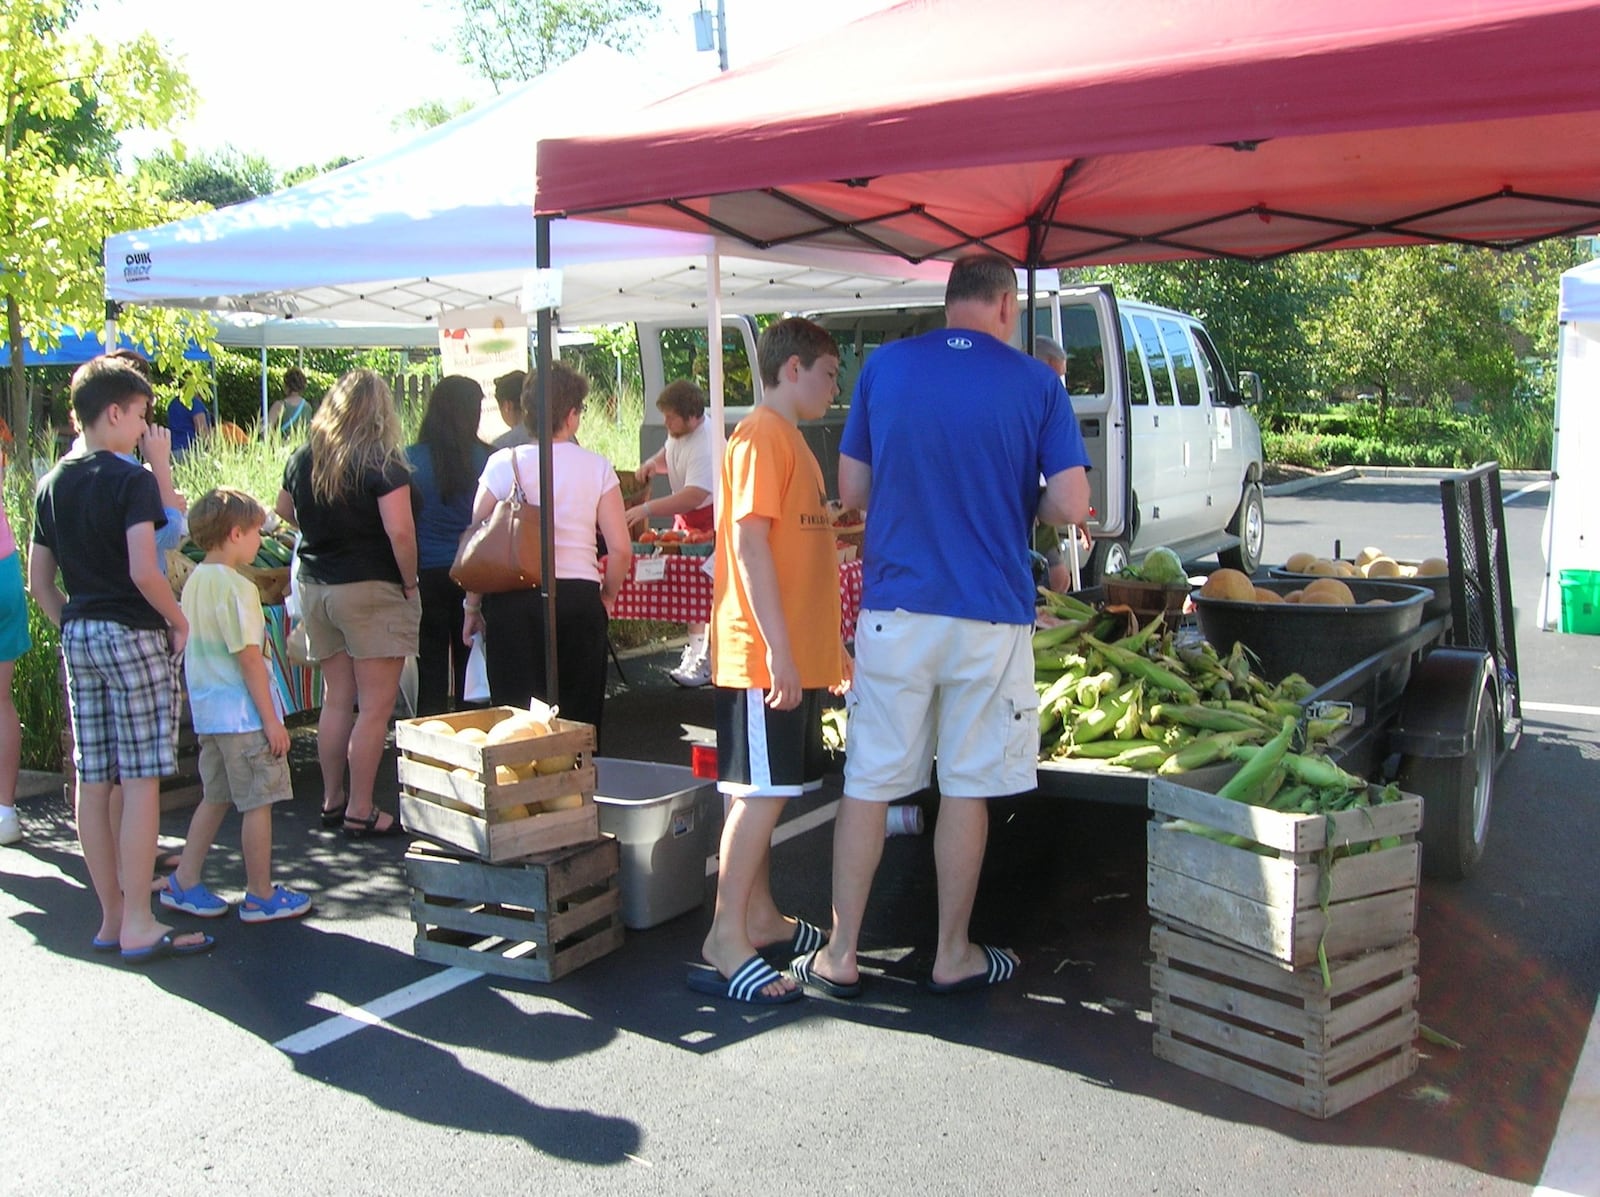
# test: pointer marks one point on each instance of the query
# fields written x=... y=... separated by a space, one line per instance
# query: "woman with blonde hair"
x=588 y=500
x=349 y=490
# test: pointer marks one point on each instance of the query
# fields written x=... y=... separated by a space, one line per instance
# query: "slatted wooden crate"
x=536 y=919
x=465 y=795
x=1279 y=1034
x=1270 y=903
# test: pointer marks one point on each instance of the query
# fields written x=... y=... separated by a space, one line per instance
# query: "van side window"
x=1086 y=356
x=1138 y=384
x=1156 y=356
x=1182 y=355
x=1222 y=393
x=683 y=355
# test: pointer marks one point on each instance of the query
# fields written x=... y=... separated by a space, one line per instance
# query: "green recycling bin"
x=1580 y=601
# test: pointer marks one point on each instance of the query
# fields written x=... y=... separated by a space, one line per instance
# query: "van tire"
x=1250 y=526
x=1107 y=557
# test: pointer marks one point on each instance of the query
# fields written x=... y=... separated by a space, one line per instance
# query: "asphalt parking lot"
x=321 y=1057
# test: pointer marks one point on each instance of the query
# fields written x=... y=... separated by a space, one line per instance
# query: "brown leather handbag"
x=504 y=552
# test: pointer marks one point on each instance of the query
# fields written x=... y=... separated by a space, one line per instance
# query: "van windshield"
x=860 y=333
x=683 y=355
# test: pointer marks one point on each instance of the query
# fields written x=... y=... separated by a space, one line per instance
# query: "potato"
x=1368 y=555
x=1298 y=563
x=1345 y=570
x=436 y=727
x=1264 y=595
x=1294 y=596
x=1322 y=567
x=473 y=735
x=563 y=802
x=1433 y=567
x=1229 y=584
x=1383 y=567
x=1376 y=603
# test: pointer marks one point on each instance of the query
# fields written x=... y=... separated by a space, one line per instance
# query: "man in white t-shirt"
x=686 y=459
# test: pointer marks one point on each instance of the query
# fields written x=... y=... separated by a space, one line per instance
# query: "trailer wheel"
x=1250 y=526
x=1457 y=793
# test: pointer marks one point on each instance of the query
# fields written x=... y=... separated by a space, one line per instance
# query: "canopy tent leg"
x=547 y=508
x=714 y=376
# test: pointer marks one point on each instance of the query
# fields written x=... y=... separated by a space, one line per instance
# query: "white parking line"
x=1531 y=488
x=787 y=831
x=1572 y=1169
x=1560 y=708
x=375 y=1012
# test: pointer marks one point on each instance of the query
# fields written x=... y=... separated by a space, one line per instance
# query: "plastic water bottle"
x=904 y=819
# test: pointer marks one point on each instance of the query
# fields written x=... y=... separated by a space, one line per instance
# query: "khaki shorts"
x=933 y=685
x=238 y=767
x=363 y=619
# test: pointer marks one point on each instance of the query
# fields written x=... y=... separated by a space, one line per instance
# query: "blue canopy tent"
x=77 y=348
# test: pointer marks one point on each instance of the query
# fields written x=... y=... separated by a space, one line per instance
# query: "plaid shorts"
x=122 y=691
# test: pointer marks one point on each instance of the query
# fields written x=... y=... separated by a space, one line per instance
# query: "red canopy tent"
x=1074 y=132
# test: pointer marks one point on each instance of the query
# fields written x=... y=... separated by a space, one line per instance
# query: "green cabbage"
x=1162 y=565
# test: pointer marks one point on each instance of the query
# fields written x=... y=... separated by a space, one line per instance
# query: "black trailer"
x=1435 y=710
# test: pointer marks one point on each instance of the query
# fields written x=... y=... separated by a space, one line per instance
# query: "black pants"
x=513 y=641
x=441 y=657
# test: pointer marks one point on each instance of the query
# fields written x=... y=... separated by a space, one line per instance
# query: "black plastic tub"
x=1311 y=639
x=1438 y=585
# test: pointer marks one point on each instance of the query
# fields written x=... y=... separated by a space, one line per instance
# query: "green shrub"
x=36 y=681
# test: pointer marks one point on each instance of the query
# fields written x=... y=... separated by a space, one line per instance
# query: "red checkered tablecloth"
x=683 y=595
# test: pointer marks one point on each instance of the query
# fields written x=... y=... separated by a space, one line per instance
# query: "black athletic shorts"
x=767 y=753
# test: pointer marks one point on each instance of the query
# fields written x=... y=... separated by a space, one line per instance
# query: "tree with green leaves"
x=1256 y=311
x=304 y=174
x=1425 y=323
x=67 y=98
x=512 y=41
x=214 y=178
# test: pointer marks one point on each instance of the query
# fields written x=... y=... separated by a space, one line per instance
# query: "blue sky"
x=301 y=81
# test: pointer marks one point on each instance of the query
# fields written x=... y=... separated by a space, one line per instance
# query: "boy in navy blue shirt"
x=95 y=519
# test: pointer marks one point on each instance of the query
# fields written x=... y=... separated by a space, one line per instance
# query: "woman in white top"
x=588 y=499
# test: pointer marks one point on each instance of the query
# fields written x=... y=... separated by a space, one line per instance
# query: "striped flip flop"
x=745 y=985
x=1002 y=967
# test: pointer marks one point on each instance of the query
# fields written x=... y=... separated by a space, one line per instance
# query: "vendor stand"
x=677 y=589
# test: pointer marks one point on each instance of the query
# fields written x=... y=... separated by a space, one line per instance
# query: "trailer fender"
x=1440 y=708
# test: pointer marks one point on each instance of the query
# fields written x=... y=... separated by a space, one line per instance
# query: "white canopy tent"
x=1572 y=536
x=445 y=222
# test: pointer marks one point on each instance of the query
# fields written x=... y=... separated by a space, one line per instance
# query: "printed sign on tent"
x=483 y=344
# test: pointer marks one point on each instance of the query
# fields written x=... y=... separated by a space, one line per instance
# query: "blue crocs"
x=196 y=900
x=284 y=904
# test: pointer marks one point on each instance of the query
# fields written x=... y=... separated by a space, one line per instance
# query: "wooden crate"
x=478 y=812
x=1271 y=904
x=537 y=919
x=1279 y=1034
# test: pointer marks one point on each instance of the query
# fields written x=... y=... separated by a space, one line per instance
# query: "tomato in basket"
x=648 y=536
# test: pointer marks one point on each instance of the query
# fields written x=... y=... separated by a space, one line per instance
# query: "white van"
x=1176 y=453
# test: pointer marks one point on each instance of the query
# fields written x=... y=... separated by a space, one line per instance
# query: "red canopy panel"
x=1074 y=132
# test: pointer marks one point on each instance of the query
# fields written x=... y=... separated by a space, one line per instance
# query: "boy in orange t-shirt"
x=775 y=648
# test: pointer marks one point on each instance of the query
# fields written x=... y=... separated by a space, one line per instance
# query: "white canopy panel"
x=1572 y=521
x=445 y=222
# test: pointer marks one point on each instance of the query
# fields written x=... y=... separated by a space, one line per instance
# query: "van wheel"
x=1250 y=526
x=1108 y=557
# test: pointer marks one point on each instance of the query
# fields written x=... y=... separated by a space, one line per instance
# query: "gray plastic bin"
x=667 y=821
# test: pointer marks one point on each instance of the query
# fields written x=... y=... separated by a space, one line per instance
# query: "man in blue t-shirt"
x=947 y=438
